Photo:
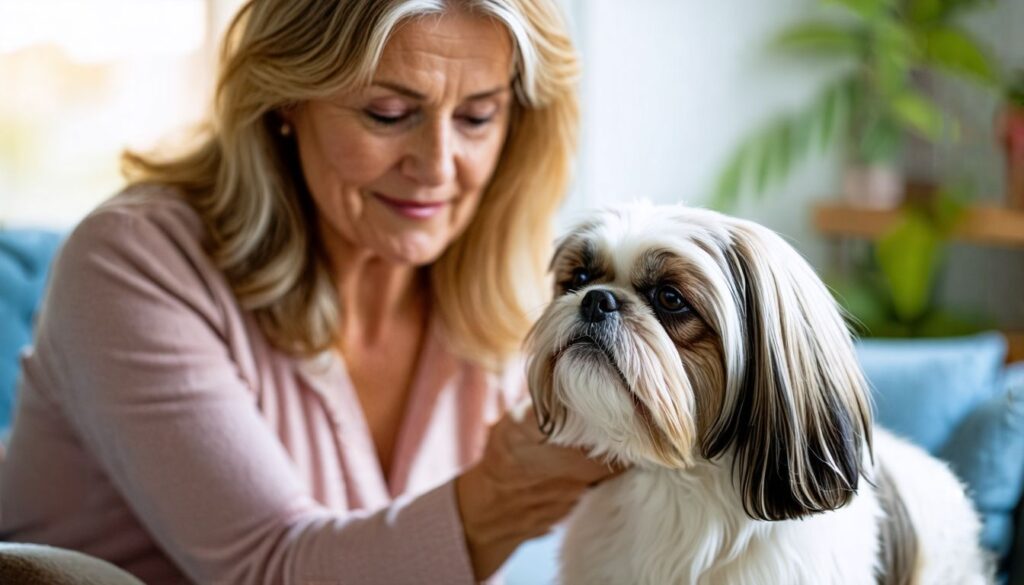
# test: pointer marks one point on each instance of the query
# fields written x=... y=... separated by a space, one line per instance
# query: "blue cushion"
x=535 y=562
x=924 y=388
x=987 y=452
x=25 y=257
x=952 y=397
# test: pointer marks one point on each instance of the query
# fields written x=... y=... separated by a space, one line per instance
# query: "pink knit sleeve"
x=151 y=389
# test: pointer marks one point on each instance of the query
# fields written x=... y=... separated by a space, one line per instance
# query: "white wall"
x=670 y=88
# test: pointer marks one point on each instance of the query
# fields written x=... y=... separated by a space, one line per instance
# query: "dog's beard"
x=616 y=388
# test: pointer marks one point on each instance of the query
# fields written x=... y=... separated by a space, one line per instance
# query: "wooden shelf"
x=994 y=226
x=1015 y=346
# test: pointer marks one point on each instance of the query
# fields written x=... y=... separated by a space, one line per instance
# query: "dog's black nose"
x=597 y=304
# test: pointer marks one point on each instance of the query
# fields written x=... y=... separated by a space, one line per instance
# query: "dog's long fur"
x=744 y=417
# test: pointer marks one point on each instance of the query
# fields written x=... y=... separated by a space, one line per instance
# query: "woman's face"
x=398 y=168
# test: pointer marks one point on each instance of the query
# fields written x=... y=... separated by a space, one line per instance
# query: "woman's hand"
x=519 y=489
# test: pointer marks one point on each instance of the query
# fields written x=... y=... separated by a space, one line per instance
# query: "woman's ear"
x=282 y=120
x=801 y=418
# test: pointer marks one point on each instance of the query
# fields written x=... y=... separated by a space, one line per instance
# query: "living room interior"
x=884 y=139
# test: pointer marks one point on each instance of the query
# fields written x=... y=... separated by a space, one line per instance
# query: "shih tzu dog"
x=704 y=353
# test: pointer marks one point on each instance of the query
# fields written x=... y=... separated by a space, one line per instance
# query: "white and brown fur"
x=744 y=418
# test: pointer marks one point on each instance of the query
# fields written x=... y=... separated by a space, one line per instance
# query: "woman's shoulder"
x=139 y=209
x=144 y=233
x=144 y=220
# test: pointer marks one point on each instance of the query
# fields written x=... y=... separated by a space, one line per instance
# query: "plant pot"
x=1011 y=135
x=874 y=185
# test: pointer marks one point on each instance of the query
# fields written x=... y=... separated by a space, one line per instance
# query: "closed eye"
x=475 y=121
x=387 y=119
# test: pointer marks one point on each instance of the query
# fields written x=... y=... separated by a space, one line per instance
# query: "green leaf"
x=821 y=38
x=757 y=164
x=931 y=11
x=769 y=155
x=778 y=152
x=804 y=132
x=894 y=54
x=764 y=156
x=867 y=9
x=893 y=38
x=946 y=324
x=907 y=257
x=1015 y=88
x=953 y=50
x=730 y=182
x=784 y=151
x=924 y=10
x=880 y=141
x=952 y=8
x=918 y=113
x=863 y=304
x=948 y=208
x=835 y=112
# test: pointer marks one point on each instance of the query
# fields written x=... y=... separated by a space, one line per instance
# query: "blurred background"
x=883 y=138
x=874 y=134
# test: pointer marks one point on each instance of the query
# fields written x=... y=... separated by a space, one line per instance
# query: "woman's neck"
x=376 y=295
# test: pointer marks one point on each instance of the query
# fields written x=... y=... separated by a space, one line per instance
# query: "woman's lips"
x=412 y=209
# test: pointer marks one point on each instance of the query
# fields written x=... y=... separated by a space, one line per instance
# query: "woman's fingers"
x=529 y=445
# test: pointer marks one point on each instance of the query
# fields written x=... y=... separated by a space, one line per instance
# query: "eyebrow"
x=581 y=251
x=661 y=264
x=412 y=93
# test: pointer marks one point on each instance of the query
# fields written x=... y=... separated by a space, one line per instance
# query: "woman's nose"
x=431 y=160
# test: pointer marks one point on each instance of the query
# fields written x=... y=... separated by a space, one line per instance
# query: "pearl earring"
x=286 y=129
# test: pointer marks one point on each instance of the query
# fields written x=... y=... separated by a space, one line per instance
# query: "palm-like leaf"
x=953 y=50
x=767 y=157
x=866 y=9
x=879 y=139
x=907 y=256
x=872 y=108
x=918 y=113
x=924 y=10
x=824 y=38
x=930 y=11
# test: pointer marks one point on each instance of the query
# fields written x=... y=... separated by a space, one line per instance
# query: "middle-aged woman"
x=277 y=358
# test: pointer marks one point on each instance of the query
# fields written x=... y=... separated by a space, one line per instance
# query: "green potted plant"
x=1011 y=134
x=894 y=292
x=882 y=47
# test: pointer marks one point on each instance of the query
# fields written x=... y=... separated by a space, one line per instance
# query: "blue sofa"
x=24 y=264
x=954 y=397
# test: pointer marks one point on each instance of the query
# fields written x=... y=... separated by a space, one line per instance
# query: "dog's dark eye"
x=669 y=300
x=580 y=278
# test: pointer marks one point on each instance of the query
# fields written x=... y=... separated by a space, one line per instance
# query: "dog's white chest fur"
x=662 y=526
x=688 y=527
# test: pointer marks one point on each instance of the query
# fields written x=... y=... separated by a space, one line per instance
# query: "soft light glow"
x=80 y=81
x=104 y=30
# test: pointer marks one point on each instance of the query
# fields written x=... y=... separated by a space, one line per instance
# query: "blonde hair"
x=246 y=183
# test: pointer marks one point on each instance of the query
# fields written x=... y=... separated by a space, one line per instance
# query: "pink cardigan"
x=158 y=429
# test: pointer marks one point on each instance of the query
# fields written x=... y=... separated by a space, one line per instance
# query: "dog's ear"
x=797 y=416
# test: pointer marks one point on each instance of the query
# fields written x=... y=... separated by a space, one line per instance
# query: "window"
x=81 y=81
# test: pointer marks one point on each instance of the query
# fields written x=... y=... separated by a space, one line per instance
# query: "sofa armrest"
x=33 y=564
